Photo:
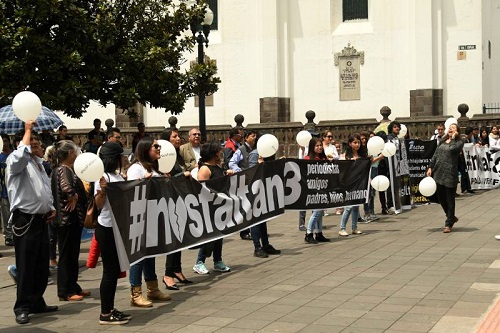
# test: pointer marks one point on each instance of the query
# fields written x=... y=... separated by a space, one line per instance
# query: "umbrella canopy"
x=10 y=124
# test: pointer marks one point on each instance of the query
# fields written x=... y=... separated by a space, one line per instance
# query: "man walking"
x=31 y=205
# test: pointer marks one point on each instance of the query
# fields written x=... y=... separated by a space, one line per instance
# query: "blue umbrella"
x=10 y=124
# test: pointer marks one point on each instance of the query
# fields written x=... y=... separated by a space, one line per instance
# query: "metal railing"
x=494 y=107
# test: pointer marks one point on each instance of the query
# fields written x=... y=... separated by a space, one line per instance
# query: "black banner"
x=398 y=176
x=161 y=215
x=419 y=155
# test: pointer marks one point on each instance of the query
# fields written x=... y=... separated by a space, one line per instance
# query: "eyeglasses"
x=156 y=146
x=196 y=134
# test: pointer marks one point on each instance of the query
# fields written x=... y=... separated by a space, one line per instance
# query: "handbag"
x=90 y=221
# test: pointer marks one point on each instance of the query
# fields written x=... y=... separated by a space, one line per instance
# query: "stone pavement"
x=402 y=275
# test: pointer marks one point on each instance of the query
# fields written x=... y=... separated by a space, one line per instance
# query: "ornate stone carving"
x=349 y=51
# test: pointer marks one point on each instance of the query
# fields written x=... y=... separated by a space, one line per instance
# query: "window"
x=354 y=10
x=212 y=4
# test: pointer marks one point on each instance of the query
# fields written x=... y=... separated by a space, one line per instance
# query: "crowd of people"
x=44 y=203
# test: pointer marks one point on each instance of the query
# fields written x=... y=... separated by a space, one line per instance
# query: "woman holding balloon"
x=173 y=267
x=354 y=151
x=443 y=168
x=145 y=165
x=110 y=154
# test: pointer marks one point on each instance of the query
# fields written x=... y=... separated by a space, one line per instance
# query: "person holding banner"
x=484 y=137
x=144 y=166
x=173 y=265
x=494 y=139
x=354 y=151
x=110 y=154
x=315 y=224
x=443 y=167
x=210 y=168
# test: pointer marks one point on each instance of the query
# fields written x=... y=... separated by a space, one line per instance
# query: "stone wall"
x=418 y=127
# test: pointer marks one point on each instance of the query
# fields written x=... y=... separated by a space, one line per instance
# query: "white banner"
x=483 y=167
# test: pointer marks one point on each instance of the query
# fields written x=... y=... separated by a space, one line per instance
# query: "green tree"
x=70 y=52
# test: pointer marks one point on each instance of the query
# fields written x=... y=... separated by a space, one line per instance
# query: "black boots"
x=321 y=239
x=310 y=239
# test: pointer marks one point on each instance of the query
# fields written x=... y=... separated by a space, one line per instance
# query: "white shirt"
x=137 y=171
x=104 y=217
x=331 y=150
x=197 y=155
x=28 y=185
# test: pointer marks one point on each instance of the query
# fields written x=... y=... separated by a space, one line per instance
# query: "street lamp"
x=201 y=32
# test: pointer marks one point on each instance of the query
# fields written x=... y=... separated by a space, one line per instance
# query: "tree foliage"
x=69 y=52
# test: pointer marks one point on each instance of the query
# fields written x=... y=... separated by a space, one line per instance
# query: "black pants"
x=31 y=243
x=446 y=197
x=52 y=242
x=173 y=264
x=110 y=267
x=68 y=239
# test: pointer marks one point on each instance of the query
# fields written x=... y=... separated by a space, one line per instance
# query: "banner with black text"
x=161 y=215
x=483 y=167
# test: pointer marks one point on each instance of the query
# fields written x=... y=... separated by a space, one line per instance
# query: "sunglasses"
x=330 y=136
x=156 y=146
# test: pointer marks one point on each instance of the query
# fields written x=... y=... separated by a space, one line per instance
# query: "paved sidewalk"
x=402 y=275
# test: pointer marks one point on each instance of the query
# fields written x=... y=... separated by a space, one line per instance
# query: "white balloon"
x=267 y=145
x=380 y=183
x=89 y=167
x=168 y=156
x=27 y=106
x=389 y=149
x=375 y=145
x=303 y=138
x=427 y=186
x=402 y=131
x=450 y=121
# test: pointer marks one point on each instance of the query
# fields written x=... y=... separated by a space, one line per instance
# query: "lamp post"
x=201 y=32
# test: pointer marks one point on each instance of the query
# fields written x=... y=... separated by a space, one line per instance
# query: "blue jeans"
x=147 y=266
x=207 y=249
x=345 y=217
x=259 y=233
x=315 y=222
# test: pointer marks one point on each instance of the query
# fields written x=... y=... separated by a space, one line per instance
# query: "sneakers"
x=343 y=233
x=12 y=270
x=120 y=314
x=9 y=242
x=112 y=319
x=364 y=219
x=269 y=249
x=200 y=268
x=302 y=227
x=357 y=232
x=260 y=253
x=373 y=217
x=220 y=266
x=391 y=211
